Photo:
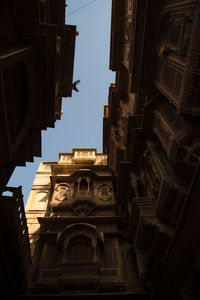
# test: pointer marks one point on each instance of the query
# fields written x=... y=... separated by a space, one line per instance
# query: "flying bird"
x=74 y=85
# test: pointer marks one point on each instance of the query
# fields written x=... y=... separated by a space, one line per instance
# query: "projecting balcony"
x=83 y=195
x=145 y=230
x=76 y=268
x=78 y=273
x=84 y=160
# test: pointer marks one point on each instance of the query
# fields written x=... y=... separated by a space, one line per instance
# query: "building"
x=36 y=71
x=151 y=136
x=36 y=67
x=77 y=232
x=15 y=256
x=126 y=222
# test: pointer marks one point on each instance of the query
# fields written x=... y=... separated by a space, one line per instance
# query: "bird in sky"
x=74 y=85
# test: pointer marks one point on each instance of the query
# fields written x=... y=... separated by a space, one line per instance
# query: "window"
x=80 y=249
x=105 y=192
x=84 y=184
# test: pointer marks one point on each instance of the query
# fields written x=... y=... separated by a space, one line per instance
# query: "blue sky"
x=82 y=120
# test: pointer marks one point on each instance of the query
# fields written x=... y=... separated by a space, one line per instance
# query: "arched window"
x=110 y=254
x=84 y=184
x=105 y=192
x=80 y=249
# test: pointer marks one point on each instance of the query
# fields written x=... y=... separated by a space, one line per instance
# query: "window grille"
x=80 y=249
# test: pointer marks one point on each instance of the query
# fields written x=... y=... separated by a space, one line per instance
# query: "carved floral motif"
x=62 y=192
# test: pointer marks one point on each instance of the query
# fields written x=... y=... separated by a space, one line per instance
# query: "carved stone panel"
x=169 y=80
x=178 y=63
x=175 y=34
x=178 y=138
x=62 y=192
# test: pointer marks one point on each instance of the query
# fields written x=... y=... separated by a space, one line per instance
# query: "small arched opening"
x=84 y=184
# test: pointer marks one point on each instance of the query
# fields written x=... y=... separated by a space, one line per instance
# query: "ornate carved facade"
x=151 y=135
x=76 y=232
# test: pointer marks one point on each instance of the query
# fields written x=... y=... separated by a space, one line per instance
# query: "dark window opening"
x=83 y=184
x=80 y=249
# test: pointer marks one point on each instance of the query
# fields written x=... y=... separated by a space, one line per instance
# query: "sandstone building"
x=152 y=137
x=76 y=231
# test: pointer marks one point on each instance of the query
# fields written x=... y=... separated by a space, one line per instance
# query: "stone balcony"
x=83 y=195
x=147 y=232
x=74 y=268
x=79 y=274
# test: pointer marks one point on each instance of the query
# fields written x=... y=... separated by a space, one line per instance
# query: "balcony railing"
x=83 y=195
x=49 y=274
x=77 y=268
